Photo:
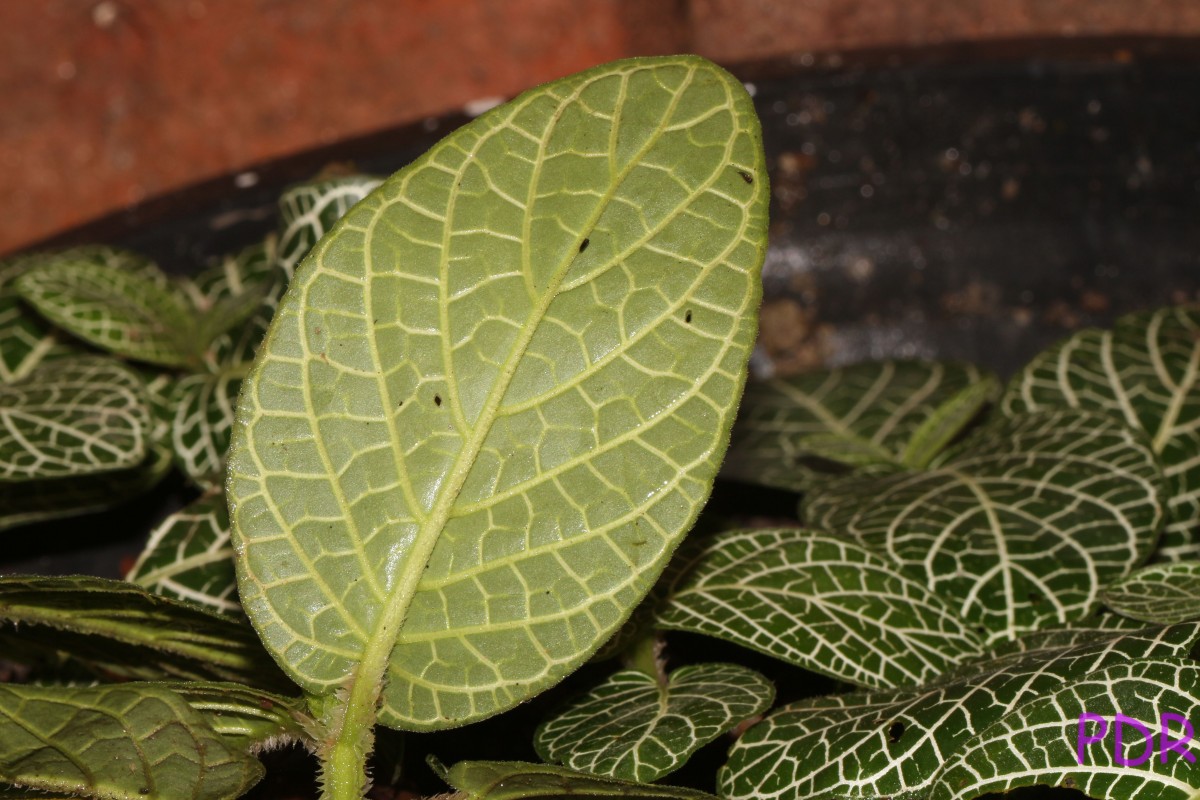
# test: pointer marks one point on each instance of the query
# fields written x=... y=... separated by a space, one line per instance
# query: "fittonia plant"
x=485 y=413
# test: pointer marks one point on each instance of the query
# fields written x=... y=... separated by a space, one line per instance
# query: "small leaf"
x=1146 y=371
x=820 y=602
x=26 y=339
x=631 y=727
x=124 y=630
x=72 y=417
x=947 y=421
x=885 y=744
x=1163 y=593
x=248 y=719
x=1021 y=525
x=124 y=742
x=1041 y=742
x=204 y=406
x=33 y=501
x=512 y=780
x=135 y=314
x=308 y=210
x=189 y=557
x=248 y=273
x=497 y=392
x=884 y=404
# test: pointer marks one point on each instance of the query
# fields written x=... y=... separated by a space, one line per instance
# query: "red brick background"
x=107 y=102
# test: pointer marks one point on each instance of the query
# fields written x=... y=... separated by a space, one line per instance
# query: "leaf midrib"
x=383 y=638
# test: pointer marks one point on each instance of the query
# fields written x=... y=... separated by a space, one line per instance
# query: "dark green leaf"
x=635 y=728
x=1019 y=527
x=512 y=780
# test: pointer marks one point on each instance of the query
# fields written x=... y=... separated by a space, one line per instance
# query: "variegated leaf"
x=636 y=727
x=73 y=417
x=513 y=780
x=122 y=742
x=880 y=745
x=1049 y=740
x=189 y=557
x=123 y=630
x=1146 y=371
x=1162 y=593
x=308 y=210
x=204 y=405
x=133 y=313
x=820 y=602
x=1020 y=526
x=249 y=272
x=788 y=426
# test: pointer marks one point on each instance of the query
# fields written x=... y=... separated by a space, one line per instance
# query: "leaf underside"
x=129 y=742
x=496 y=394
x=122 y=630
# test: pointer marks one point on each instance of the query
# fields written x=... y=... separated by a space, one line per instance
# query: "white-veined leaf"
x=786 y=423
x=122 y=742
x=1146 y=371
x=72 y=417
x=878 y=745
x=189 y=557
x=633 y=727
x=1162 y=593
x=308 y=210
x=820 y=602
x=496 y=394
x=134 y=313
x=1021 y=525
x=1044 y=741
x=513 y=780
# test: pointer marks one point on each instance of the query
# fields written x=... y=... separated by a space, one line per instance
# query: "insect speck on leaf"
x=437 y=400
x=746 y=176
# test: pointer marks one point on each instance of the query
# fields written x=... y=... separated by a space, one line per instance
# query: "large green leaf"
x=1046 y=741
x=1146 y=371
x=124 y=742
x=636 y=727
x=821 y=602
x=124 y=630
x=495 y=396
x=308 y=210
x=134 y=313
x=873 y=411
x=1021 y=526
x=1161 y=593
x=190 y=557
x=71 y=417
x=512 y=780
x=32 y=501
x=882 y=745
